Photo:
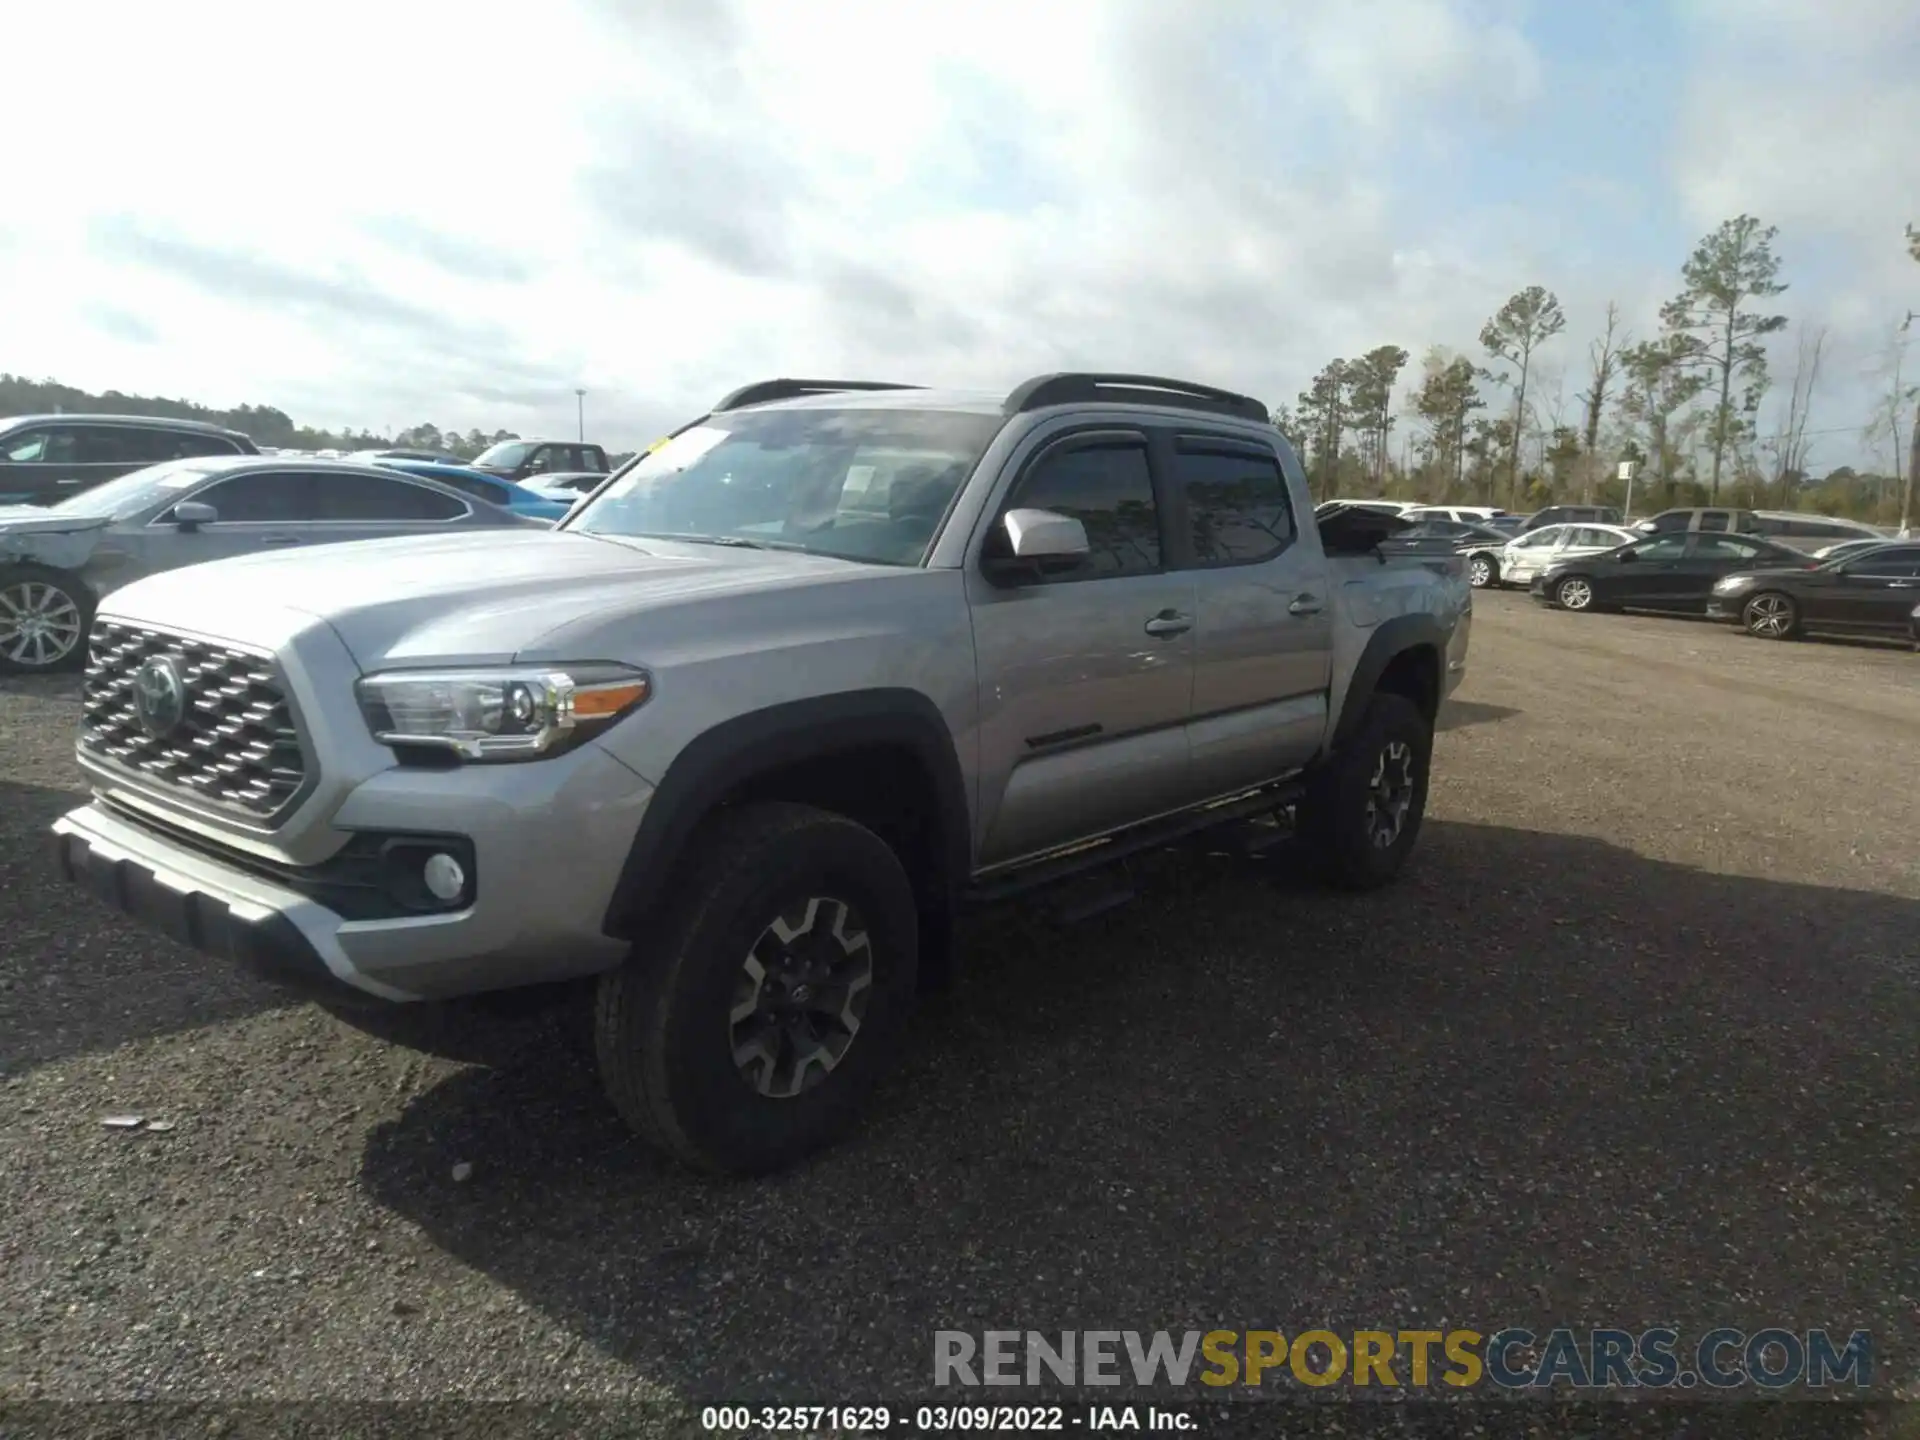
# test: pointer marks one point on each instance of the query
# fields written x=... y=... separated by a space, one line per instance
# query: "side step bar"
x=1152 y=835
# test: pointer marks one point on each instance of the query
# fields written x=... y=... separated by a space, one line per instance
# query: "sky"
x=382 y=212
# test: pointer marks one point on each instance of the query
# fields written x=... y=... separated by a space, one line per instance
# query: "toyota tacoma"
x=736 y=740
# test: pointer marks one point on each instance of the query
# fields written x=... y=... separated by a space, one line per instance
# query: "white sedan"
x=1518 y=561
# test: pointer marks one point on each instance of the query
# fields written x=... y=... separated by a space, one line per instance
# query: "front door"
x=1085 y=677
x=1876 y=593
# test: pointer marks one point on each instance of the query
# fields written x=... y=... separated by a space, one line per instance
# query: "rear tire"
x=1362 y=812
x=792 y=941
x=44 y=617
x=1771 y=616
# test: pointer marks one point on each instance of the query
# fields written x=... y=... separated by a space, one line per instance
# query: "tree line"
x=265 y=425
x=1682 y=404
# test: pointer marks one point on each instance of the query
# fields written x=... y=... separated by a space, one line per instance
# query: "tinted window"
x=184 y=445
x=261 y=497
x=1585 y=536
x=26 y=448
x=1109 y=490
x=1237 y=507
x=374 y=498
x=595 y=458
x=1900 y=562
x=1667 y=547
x=1672 y=520
x=1714 y=520
x=1721 y=547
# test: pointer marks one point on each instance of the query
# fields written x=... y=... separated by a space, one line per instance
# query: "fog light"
x=443 y=877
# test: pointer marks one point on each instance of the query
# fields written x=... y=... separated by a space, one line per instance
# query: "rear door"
x=1264 y=639
x=1085 y=677
x=1708 y=557
x=1647 y=578
x=1876 y=593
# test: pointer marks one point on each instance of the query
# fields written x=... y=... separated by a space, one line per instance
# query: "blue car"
x=490 y=488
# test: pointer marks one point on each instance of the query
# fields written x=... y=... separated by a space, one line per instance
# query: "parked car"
x=1571 y=515
x=1869 y=592
x=521 y=459
x=1842 y=548
x=1458 y=531
x=1674 y=572
x=563 y=486
x=491 y=488
x=1803 y=533
x=1473 y=514
x=1521 y=557
x=431 y=457
x=736 y=743
x=46 y=458
x=58 y=563
x=1387 y=507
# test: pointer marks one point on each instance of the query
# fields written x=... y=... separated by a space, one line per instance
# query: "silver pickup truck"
x=739 y=737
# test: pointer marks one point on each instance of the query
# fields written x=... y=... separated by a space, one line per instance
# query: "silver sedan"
x=57 y=562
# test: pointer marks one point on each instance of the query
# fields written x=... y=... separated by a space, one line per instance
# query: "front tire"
x=44 y=615
x=1362 y=813
x=1574 y=593
x=752 y=1032
x=1483 y=572
x=1771 y=616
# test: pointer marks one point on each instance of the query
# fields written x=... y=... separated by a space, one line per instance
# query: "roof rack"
x=769 y=390
x=1080 y=387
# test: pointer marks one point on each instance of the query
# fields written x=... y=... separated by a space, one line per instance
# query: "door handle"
x=1305 y=605
x=1169 y=622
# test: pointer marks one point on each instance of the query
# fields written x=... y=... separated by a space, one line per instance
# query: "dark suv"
x=518 y=460
x=44 y=458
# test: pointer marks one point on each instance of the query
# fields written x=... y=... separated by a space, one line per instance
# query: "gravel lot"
x=1633 y=1043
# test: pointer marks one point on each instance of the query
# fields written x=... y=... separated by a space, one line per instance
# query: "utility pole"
x=1913 y=463
x=580 y=412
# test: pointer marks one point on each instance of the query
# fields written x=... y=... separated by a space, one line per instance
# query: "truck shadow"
x=75 y=977
x=1542 y=1079
x=1458 y=714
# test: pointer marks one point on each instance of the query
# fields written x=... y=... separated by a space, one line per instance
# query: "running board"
x=1153 y=835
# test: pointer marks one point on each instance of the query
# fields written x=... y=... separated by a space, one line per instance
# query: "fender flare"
x=744 y=747
x=1390 y=640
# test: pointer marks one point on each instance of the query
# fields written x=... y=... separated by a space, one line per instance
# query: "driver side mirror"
x=192 y=514
x=1032 y=544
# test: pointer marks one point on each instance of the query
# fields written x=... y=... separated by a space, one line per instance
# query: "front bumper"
x=548 y=840
x=1723 y=607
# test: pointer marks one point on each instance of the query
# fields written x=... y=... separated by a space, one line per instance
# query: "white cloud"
x=379 y=213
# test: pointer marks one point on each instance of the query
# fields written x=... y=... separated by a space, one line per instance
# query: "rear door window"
x=1237 y=508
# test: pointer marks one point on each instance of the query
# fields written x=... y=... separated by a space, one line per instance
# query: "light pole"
x=580 y=412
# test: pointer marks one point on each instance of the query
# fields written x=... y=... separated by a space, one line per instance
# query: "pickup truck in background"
x=737 y=739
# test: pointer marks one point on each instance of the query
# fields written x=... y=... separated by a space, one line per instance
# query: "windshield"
x=506 y=454
x=858 y=484
x=130 y=494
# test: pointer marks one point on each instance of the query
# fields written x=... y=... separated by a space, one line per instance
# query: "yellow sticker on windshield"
x=663 y=440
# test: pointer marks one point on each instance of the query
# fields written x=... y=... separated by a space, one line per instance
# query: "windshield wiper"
x=738 y=542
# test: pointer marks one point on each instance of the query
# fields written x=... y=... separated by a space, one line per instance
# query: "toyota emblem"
x=159 y=696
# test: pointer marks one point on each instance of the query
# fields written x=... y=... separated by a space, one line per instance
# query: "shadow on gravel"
x=76 y=977
x=1541 y=1081
x=1458 y=714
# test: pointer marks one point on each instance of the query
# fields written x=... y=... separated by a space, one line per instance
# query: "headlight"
x=511 y=713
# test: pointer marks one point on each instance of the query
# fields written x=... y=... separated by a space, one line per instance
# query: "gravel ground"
x=1633 y=1042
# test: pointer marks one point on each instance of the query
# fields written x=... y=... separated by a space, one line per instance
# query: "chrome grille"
x=235 y=748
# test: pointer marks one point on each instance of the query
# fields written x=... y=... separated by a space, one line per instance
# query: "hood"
x=481 y=598
x=31 y=532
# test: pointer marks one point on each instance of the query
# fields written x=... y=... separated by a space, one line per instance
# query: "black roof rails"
x=1080 y=387
x=768 y=390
